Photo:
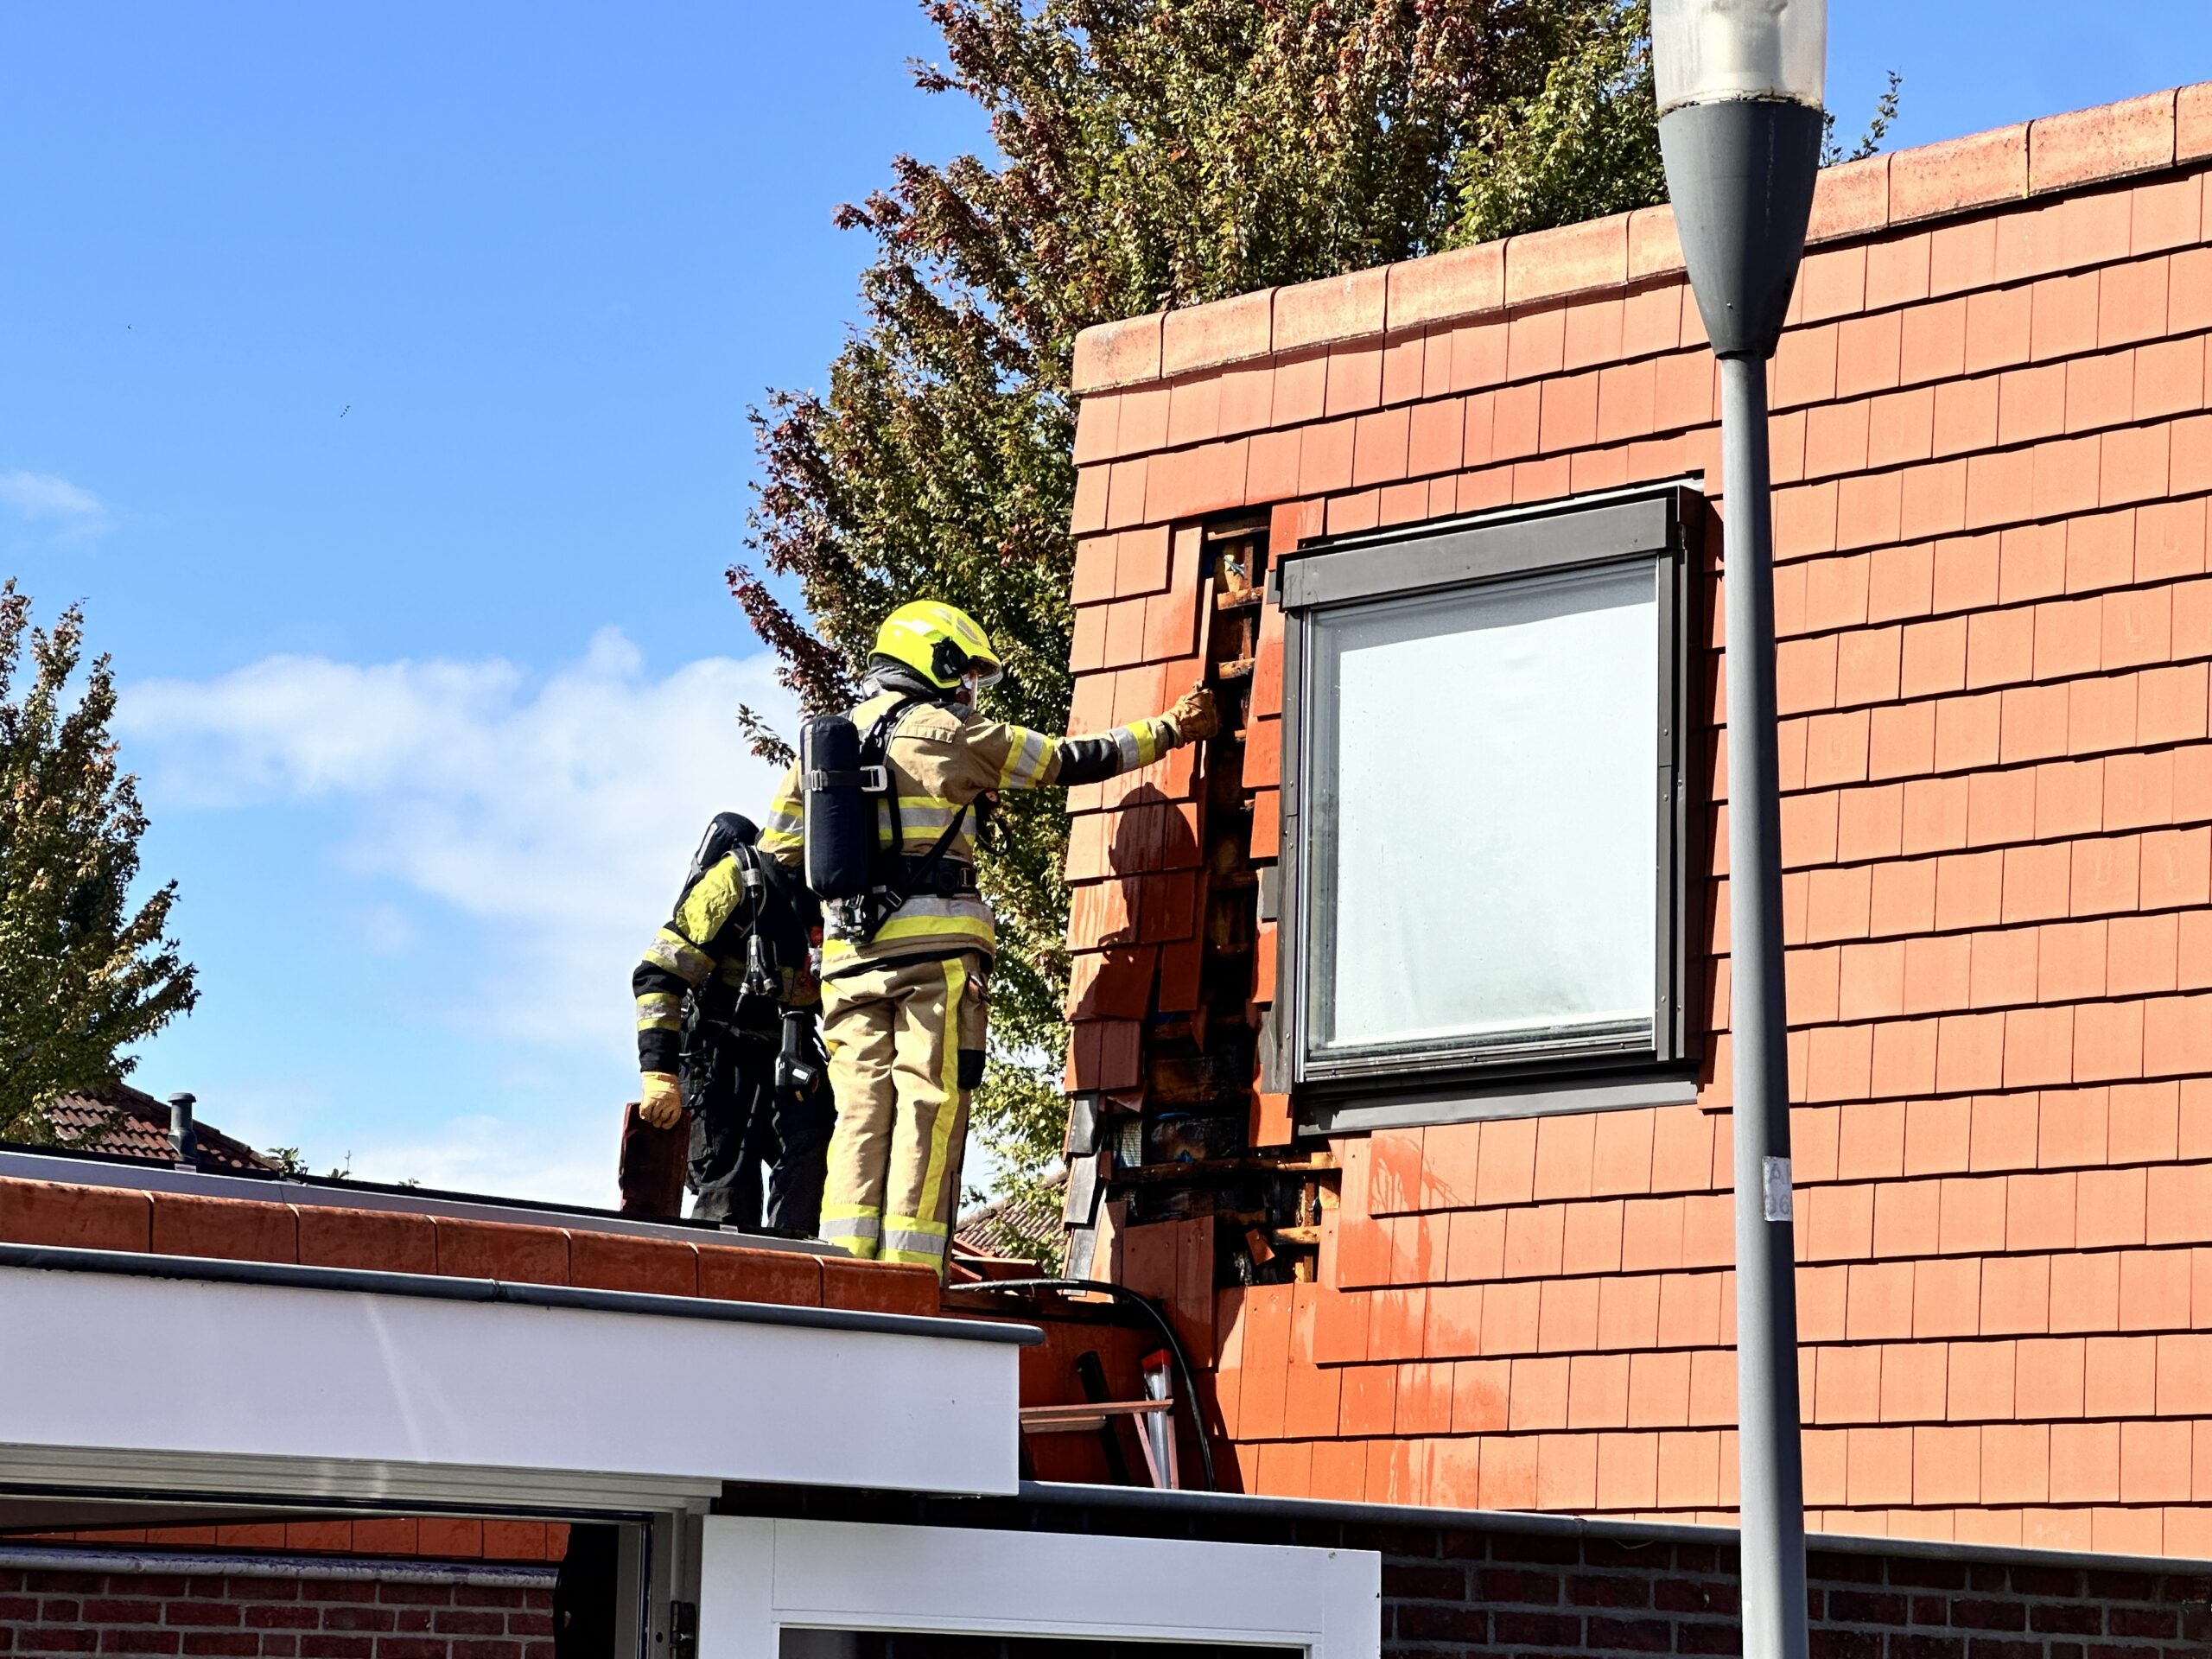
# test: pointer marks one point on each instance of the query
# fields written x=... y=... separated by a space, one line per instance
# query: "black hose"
x=1123 y=1293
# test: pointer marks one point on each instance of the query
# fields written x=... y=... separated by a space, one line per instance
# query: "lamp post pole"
x=1739 y=88
x=1770 y=1470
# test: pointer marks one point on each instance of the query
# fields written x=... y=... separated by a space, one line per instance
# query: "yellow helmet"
x=939 y=642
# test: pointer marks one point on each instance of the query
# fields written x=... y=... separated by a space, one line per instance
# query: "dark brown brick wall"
x=62 y=1615
x=1467 y=1593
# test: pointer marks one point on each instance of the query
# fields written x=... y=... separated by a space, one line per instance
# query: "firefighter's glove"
x=661 y=1101
x=1194 y=716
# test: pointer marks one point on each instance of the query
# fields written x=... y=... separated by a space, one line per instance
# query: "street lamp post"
x=1739 y=88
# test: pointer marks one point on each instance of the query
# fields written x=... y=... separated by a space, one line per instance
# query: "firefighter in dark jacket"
x=726 y=996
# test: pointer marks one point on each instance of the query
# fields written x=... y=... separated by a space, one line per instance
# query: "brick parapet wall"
x=1992 y=452
x=47 y=1614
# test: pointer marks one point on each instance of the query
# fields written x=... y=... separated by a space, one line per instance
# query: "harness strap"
x=889 y=897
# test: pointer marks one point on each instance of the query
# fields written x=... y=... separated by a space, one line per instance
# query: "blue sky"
x=377 y=375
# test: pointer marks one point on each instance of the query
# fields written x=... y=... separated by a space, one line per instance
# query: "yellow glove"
x=661 y=1103
x=1194 y=716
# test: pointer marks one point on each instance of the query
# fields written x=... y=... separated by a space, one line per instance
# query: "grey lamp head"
x=1739 y=84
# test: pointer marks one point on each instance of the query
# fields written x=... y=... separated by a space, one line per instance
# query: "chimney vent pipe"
x=184 y=1139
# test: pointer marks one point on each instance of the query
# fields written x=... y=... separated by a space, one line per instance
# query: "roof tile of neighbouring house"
x=120 y=1122
x=1013 y=1229
x=1985 y=169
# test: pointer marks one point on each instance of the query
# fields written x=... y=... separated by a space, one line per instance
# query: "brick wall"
x=1497 y=1593
x=1992 y=459
x=224 y=1615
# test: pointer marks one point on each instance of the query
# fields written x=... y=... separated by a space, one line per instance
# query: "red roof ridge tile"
x=2045 y=156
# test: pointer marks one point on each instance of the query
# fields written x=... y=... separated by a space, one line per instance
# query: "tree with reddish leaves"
x=1150 y=153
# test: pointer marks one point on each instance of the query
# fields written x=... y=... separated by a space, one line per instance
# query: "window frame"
x=1660 y=525
x=759 y=1576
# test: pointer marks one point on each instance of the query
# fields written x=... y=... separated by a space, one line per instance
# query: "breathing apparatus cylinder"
x=840 y=817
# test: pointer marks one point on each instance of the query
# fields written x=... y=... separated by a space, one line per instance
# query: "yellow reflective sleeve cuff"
x=660 y=1010
x=1152 y=738
x=1029 y=759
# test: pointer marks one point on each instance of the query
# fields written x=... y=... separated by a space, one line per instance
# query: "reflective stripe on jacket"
x=941 y=757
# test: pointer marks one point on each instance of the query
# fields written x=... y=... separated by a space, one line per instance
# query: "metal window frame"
x=1661 y=524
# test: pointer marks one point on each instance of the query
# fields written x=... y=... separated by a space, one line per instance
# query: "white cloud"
x=40 y=496
x=557 y=813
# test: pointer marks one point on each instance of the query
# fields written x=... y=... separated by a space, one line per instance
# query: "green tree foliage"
x=82 y=974
x=1149 y=154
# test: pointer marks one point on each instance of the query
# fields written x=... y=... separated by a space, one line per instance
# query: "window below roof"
x=1485 y=815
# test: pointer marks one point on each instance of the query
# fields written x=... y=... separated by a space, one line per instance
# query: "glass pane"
x=1483 y=825
x=936 y=1644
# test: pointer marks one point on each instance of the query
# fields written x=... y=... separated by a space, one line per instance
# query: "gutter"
x=45 y=1558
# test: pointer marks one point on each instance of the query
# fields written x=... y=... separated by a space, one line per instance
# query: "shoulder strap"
x=875 y=751
x=890 y=897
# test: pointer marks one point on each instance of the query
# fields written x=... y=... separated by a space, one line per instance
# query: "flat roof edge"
x=54 y=1258
x=1557 y=1525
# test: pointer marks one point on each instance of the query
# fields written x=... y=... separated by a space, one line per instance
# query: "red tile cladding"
x=1999 y=818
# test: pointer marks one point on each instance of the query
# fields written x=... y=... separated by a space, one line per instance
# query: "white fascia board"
x=759 y=1576
x=109 y=1369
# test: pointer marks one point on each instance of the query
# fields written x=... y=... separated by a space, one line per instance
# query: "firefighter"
x=726 y=996
x=904 y=994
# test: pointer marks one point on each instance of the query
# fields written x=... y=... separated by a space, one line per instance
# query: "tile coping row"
x=1960 y=176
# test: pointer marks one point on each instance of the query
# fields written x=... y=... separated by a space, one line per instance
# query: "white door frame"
x=759 y=1576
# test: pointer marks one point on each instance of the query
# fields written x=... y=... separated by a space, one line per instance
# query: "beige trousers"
x=906 y=1042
